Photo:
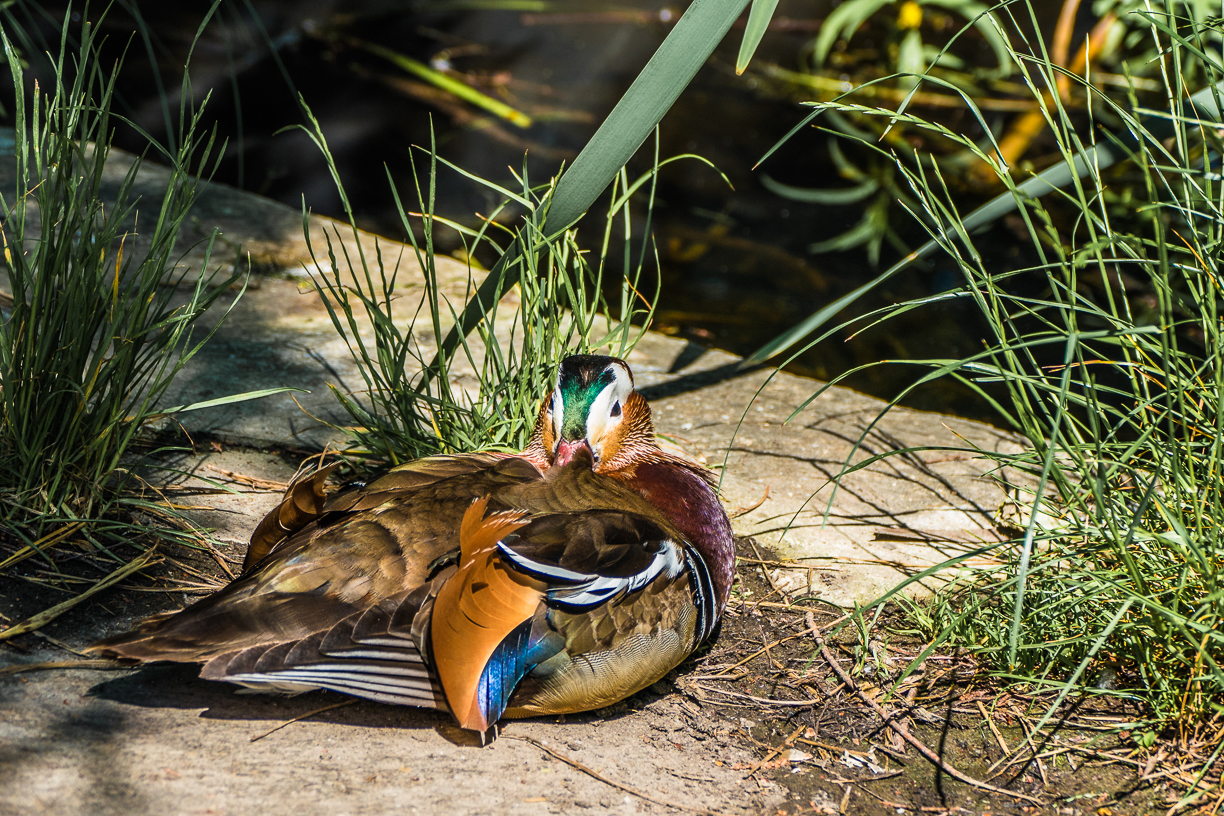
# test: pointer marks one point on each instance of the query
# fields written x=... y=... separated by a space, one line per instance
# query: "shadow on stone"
x=82 y=743
x=178 y=686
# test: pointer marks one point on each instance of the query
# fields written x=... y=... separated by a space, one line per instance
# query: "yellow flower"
x=910 y=15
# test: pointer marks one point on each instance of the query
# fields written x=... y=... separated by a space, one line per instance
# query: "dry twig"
x=331 y=707
x=891 y=721
x=761 y=700
x=591 y=772
x=740 y=511
x=146 y=559
x=262 y=484
x=63 y=664
x=998 y=737
x=773 y=752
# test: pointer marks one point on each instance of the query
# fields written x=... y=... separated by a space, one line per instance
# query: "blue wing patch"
x=517 y=654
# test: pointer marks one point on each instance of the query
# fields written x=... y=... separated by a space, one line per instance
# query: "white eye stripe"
x=621 y=378
x=602 y=417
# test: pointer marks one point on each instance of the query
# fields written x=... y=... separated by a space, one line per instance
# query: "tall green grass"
x=421 y=398
x=98 y=316
x=625 y=129
x=404 y=415
x=1106 y=352
x=94 y=334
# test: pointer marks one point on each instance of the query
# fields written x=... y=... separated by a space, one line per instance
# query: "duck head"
x=593 y=408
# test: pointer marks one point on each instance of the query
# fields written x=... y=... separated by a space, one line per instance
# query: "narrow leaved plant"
x=1106 y=353
x=422 y=397
x=98 y=313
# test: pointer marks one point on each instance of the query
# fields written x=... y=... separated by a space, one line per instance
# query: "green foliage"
x=877 y=186
x=911 y=55
x=399 y=421
x=1128 y=41
x=95 y=331
x=449 y=84
x=1087 y=158
x=759 y=17
x=669 y=71
x=1113 y=370
x=486 y=394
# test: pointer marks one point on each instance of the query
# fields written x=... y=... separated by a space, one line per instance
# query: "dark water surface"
x=735 y=266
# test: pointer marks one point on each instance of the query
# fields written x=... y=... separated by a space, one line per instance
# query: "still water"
x=735 y=265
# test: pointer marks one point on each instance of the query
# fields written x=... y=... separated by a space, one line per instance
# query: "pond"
x=735 y=261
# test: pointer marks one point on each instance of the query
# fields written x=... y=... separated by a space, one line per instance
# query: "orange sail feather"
x=476 y=608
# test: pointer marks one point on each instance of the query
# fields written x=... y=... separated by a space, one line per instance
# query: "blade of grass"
x=447 y=83
x=669 y=71
x=758 y=23
x=147 y=559
x=1093 y=159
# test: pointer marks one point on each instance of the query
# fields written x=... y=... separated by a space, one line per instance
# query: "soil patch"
x=824 y=747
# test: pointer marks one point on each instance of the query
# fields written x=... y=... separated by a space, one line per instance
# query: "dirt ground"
x=838 y=756
x=758 y=723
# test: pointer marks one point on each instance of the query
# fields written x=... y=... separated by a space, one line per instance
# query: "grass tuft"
x=486 y=394
x=97 y=317
x=92 y=336
x=1107 y=354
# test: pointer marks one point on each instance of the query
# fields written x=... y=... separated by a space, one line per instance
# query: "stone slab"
x=161 y=741
x=854 y=541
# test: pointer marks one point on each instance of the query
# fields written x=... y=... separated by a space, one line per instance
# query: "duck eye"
x=616 y=409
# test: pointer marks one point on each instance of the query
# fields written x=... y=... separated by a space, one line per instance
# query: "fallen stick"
x=773 y=752
x=331 y=707
x=261 y=484
x=591 y=772
x=147 y=559
x=902 y=731
x=754 y=655
x=96 y=665
x=994 y=730
x=761 y=700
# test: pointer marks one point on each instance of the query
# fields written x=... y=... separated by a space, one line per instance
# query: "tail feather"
x=131 y=645
x=365 y=655
x=303 y=503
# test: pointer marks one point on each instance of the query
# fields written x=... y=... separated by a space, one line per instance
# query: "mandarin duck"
x=561 y=579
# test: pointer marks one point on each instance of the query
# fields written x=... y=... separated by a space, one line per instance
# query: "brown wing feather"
x=345 y=600
x=372 y=654
x=369 y=545
x=475 y=610
x=303 y=503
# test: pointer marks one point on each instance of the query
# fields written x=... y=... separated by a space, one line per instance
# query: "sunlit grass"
x=486 y=393
x=96 y=321
x=1112 y=368
x=92 y=338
